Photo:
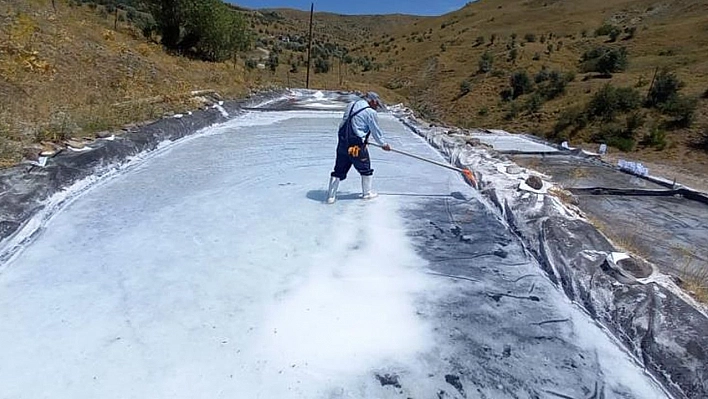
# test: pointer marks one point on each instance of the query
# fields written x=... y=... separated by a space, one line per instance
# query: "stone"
x=534 y=182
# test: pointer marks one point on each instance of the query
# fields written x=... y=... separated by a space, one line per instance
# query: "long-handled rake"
x=468 y=175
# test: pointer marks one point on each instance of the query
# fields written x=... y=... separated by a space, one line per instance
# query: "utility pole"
x=309 y=47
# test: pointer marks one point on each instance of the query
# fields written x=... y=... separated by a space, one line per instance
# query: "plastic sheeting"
x=25 y=190
x=653 y=320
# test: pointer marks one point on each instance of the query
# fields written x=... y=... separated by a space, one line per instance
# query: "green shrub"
x=507 y=94
x=465 y=87
x=251 y=63
x=542 y=75
x=530 y=37
x=273 y=61
x=486 y=62
x=322 y=65
x=484 y=111
x=681 y=109
x=655 y=138
x=536 y=56
x=614 y=34
x=631 y=32
x=575 y=118
x=208 y=29
x=479 y=41
x=604 y=60
x=534 y=103
x=512 y=112
x=665 y=88
x=610 y=101
x=622 y=143
x=607 y=30
x=552 y=84
x=520 y=84
x=703 y=140
x=614 y=135
x=513 y=55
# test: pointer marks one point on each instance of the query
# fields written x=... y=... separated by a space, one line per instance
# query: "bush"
x=486 y=62
x=520 y=84
x=542 y=75
x=614 y=135
x=705 y=95
x=604 y=60
x=208 y=29
x=512 y=112
x=479 y=41
x=574 y=118
x=631 y=32
x=606 y=30
x=322 y=65
x=681 y=109
x=614 y=34
x=665 y=88
x=552 y=84
x=506 y=94
x=465 y=87
x=655 y=138
x=533 y=103
x=610 y=100
x=530 y=37
x=703 y=140
x=251 y=63
x=513 y=55
x=273 y=61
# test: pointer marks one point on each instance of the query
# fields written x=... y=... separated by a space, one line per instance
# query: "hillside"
x=435 y=65
x=80 y=70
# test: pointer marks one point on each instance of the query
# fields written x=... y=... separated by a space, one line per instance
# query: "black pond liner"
x=25 y=188
x=667 y=334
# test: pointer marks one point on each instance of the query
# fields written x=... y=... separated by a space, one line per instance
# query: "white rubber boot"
x=332 y=190
x=366 y=191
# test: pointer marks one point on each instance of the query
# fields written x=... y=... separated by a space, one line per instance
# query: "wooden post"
x=651 y=85
x=309 y=47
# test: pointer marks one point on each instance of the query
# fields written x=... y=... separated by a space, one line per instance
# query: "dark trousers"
x=344 y=161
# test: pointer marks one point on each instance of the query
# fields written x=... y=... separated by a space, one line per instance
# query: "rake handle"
x=408 y=154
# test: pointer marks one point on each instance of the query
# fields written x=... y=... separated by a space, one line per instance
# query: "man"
x=359 y=123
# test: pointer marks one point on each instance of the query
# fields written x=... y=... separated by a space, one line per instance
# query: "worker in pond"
x=359 y=123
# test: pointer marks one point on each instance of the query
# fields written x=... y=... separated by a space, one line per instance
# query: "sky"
x=416 y=7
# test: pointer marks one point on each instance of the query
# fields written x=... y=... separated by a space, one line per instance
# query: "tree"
x=604 y=60
x=208 y=29
x=610 y=100
x=665 y=88
x=520 y=84
x=321 y=65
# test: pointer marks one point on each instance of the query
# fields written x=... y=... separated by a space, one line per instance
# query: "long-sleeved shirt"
x=364 y=122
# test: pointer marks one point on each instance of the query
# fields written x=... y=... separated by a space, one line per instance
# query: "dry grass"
x=429 y=59
x=565 y=196
x=65 y=71
x=694 y=277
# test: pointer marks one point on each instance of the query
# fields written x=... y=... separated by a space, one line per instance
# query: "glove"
x=353 y=151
